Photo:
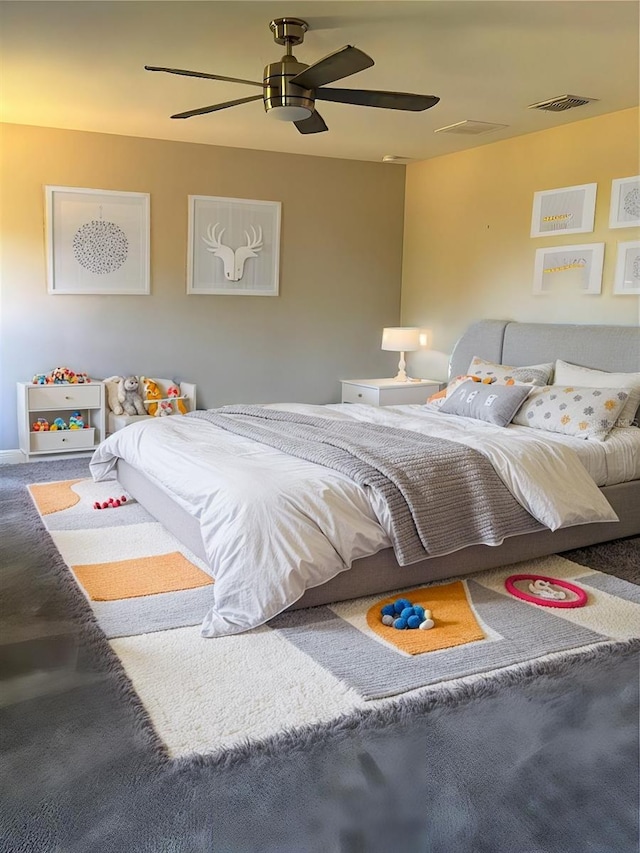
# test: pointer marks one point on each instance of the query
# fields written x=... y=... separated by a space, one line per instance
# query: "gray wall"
x=340 y=272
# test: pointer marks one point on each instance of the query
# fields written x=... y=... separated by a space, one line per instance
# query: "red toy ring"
x=579 y=601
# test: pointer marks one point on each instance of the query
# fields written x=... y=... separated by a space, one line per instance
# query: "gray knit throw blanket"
x=441 y=495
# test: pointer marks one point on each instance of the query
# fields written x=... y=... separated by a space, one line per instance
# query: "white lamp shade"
x=403 y=338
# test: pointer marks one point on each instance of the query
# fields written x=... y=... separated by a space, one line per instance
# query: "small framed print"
x=233 y=246
x=97 y=241
x=626 y=281
x=625 y=203
x=569 y=266
x=568 y=210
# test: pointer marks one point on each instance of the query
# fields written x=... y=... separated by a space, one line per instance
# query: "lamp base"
x=401 y=376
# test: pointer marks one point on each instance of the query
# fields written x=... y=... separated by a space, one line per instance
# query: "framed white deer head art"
x=233 y=246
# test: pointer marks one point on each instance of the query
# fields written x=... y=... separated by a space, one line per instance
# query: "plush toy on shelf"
x=76 y=421
x=129 y=396
x=174 y=391
x=41 y=425
x=112 y=386
x=151 y=392
x=59 y=423
x=164 y=408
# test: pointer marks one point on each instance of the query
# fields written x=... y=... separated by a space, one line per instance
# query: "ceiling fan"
x=291 y=88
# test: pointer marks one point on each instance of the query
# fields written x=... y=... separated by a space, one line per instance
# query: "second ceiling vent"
x=561 y=103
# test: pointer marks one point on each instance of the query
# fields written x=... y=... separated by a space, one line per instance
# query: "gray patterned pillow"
x=502 y=374
x=572 y=410
x=495 y=404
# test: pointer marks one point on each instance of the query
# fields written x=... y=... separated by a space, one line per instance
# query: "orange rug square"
x=141 y=576
x=54 y=497
x=455 y=622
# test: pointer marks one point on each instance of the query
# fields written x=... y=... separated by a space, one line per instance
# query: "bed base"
x=381 y=573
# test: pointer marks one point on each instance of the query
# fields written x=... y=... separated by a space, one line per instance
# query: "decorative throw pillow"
x=496 y=404
x=535 y=374
x=573 y=374
x=439 y=397
x=572 y=410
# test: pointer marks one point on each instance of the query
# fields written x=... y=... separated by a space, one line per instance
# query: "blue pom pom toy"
x=402 y=614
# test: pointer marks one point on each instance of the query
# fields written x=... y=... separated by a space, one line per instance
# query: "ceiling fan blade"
x=342 y=63
x=313 y=124
x=384 y=100
x=212 y=109
x=202 y=74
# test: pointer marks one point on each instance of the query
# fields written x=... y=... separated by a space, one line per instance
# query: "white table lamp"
x=403 y=339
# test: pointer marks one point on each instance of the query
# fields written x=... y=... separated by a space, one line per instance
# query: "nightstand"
x=54 y=401
x=387 y=392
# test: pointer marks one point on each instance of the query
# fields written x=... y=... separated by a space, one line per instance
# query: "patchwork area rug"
x=149 y=594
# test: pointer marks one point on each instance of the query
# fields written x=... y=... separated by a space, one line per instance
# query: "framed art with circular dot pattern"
x=625 y=203
x=97 y=241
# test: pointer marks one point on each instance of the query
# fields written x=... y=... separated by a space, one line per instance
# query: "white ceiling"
x=79 y=65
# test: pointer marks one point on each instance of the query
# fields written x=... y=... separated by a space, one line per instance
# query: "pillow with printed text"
x=495 y=404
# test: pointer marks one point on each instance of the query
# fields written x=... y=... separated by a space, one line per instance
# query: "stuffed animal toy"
x=65 y=376
x=112 y=385
x=164 y=408
x=174 y=391
x=151 y=392
x=129 y=396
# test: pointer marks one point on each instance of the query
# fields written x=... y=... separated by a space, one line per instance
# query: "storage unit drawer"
x=359 y=394
x=62 y=439
x=42 y=397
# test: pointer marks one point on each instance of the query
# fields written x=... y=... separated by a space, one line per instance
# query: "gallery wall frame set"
x=97 y=241
x=233 y=246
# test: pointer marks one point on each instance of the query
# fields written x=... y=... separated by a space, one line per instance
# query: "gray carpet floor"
x=545 y=764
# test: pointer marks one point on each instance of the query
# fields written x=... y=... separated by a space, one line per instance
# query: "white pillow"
x=572 y=410
x=574 y=374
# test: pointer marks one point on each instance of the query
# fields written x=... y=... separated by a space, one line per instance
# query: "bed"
x=322 y=559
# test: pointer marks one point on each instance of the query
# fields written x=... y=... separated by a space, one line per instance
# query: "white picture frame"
x=233 y=246
x=625 y=203
x=567 y=210
x=626 y=281
x=579 y=265
x=97 y=242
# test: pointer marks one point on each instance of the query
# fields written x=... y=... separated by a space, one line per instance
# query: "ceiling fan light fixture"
x=289 y=113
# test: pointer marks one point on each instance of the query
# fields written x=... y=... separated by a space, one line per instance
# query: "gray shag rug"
x=545 y=762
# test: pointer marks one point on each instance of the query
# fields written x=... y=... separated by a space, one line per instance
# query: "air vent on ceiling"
x=561 y=103
x=470 y=128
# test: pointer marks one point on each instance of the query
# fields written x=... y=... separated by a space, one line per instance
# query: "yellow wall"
x=467 y=250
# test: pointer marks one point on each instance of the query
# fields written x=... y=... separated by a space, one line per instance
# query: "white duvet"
x=274 y=525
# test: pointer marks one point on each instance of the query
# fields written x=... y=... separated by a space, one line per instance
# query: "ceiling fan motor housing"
x=279 y=92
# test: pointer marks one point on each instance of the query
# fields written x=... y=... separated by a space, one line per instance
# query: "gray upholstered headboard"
x=613 y=348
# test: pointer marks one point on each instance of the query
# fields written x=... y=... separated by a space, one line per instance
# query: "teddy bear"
x=151 y=392
x=112 y=385
x=129 y=397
